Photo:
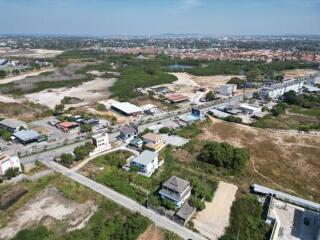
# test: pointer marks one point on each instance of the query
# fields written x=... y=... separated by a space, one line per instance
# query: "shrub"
x=168 y=204
x=86 y=128
x=210 y=96
x=39 y=233
x=11 y=173
x=233 y=119
x=67 y=159
x=83 y=151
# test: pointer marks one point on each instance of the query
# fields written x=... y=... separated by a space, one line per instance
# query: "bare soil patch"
x=88 y=92
x=298 y=73
x=23 y=76
x=153 y=233
x=48 y=207
x=214 y=219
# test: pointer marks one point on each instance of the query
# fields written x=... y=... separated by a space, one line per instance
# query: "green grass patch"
x=246 y=220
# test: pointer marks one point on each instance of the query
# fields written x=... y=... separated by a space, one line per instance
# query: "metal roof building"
x=12 y=124
x=286 y=197
x=29 y=136
x=126 y=108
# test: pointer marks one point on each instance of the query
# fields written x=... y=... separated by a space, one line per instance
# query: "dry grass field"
x=284 y=161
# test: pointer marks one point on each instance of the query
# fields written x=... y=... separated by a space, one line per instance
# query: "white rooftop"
x=126 y=107
x=145 y=157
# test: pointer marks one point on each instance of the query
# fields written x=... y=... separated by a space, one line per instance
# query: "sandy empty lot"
x=185 y=79
x=31 y=53
x=7 y=99
x=49 y=206
x=298 y=73
x=88 y=92
x=211 y=82
x=23 y=76
x=214 y=219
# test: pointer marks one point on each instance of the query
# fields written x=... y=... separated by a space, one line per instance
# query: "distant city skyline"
x=152 y=17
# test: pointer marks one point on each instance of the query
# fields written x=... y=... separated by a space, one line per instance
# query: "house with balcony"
x=177 y=190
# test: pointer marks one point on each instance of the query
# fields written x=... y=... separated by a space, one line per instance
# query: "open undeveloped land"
x=23 y=76
x=46 y=208
x=298 y=73
x=285 y=161
x=88 y=92
x=210 y=82
x=30 y=53
x=214 y=219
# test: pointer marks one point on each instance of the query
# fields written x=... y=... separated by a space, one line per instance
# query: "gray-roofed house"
x=29 y=136
x=12 y=125
x=176 y=189
x=127 y=133
x=147 y=162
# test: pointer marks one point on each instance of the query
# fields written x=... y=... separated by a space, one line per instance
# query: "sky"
x=149 y=17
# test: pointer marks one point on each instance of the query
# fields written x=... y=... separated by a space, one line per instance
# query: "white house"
x=7 y=162
x=277 y=90
x=101 y=143
x=147 y=162
x=227 y=89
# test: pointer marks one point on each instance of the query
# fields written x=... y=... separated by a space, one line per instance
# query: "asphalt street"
x=126 y=202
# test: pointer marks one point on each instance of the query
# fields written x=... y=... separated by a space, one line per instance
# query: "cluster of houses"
x=74 y=122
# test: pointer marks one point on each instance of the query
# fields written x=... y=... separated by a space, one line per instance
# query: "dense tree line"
x=223 y=155
x=303 y=100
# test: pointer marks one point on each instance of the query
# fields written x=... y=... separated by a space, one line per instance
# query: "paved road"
x=126 y=202
x=50 y=154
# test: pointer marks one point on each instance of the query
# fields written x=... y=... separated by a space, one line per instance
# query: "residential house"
x=127 y=133
x=68 y=127
x=177 y=190
x=147 y=162
x=153 y=141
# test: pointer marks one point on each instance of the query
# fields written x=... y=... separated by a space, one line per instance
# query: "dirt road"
x=214 y=219
x=23 y=76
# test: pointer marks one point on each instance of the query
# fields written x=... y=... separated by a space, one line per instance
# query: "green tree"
x=210 y=96
x=67 y=159
x=86 y=128
x=11 y=173
x=3 y=74
x=39 y=233
x=83 y=151
x=59 y=109
x=224 y=155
